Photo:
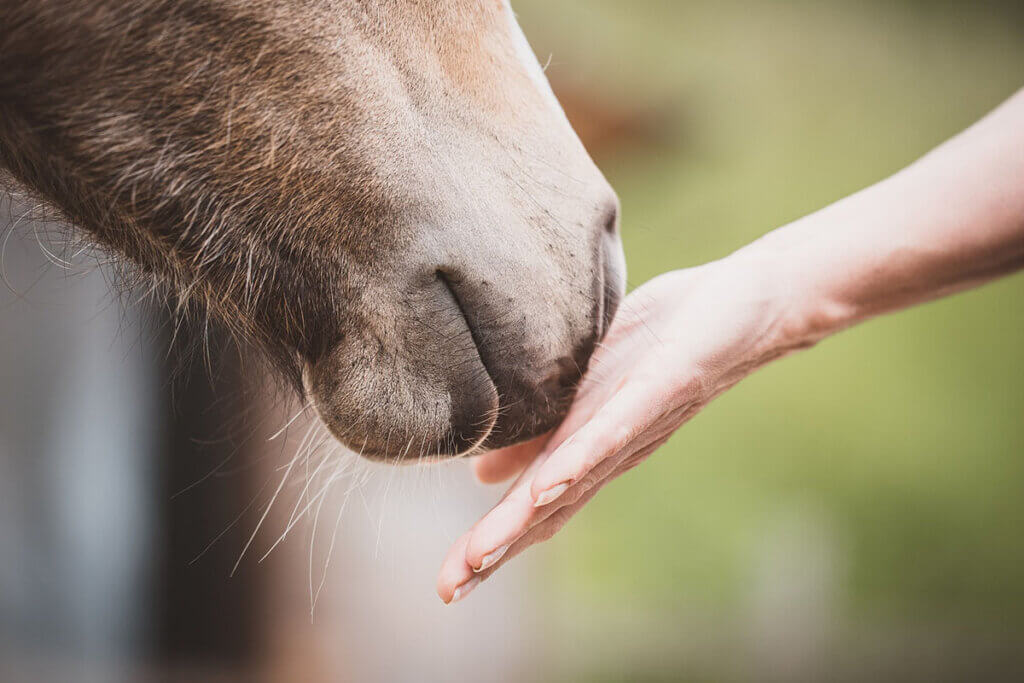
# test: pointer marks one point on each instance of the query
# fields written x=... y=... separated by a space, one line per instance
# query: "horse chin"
x=397 y=411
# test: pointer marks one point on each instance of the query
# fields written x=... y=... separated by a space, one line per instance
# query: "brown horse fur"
x=383 y=195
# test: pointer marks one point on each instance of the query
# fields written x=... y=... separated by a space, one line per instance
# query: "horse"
x=384 y=196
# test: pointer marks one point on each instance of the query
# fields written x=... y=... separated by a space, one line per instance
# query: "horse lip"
x=387 y=457
x=474 y=334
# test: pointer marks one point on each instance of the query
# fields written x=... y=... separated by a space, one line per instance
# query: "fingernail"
x=492 y=557
x=465 y=589
x=551 y=494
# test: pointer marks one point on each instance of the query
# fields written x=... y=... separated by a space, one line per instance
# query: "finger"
x=586 y=404
x=455 y=574
x=504 y=463
x=542 y=532
x=516 y=515
x=517 y=496
x=554 y=522
x=491 y=536
x=624 y=418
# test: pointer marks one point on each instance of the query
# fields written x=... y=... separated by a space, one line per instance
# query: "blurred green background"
x=870 y=491
x=852 y=513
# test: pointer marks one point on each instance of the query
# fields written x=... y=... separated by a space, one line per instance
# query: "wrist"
x=800 y=283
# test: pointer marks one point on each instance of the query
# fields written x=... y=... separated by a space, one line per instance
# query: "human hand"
x=677 y=342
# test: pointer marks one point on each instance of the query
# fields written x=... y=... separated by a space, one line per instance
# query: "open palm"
x=677 y=342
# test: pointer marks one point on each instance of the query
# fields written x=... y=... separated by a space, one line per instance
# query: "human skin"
x=951 y=221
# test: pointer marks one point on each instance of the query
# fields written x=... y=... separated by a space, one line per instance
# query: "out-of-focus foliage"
x=886 y=466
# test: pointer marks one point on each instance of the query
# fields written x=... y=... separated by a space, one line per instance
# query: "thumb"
x=505 y=463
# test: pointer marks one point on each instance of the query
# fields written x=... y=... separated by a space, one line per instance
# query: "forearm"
x=951 y=221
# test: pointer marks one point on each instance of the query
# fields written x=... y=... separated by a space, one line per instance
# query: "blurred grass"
x=903 y=438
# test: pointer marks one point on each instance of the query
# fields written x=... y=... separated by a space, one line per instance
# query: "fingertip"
x=465 y=589
x=556 y=472
x=476 y=551
x=550 y=495
x=539 y=485
x=486 y=472
x=497 y=529
x=454 y=570
x=505 y=463
x=492 y=558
